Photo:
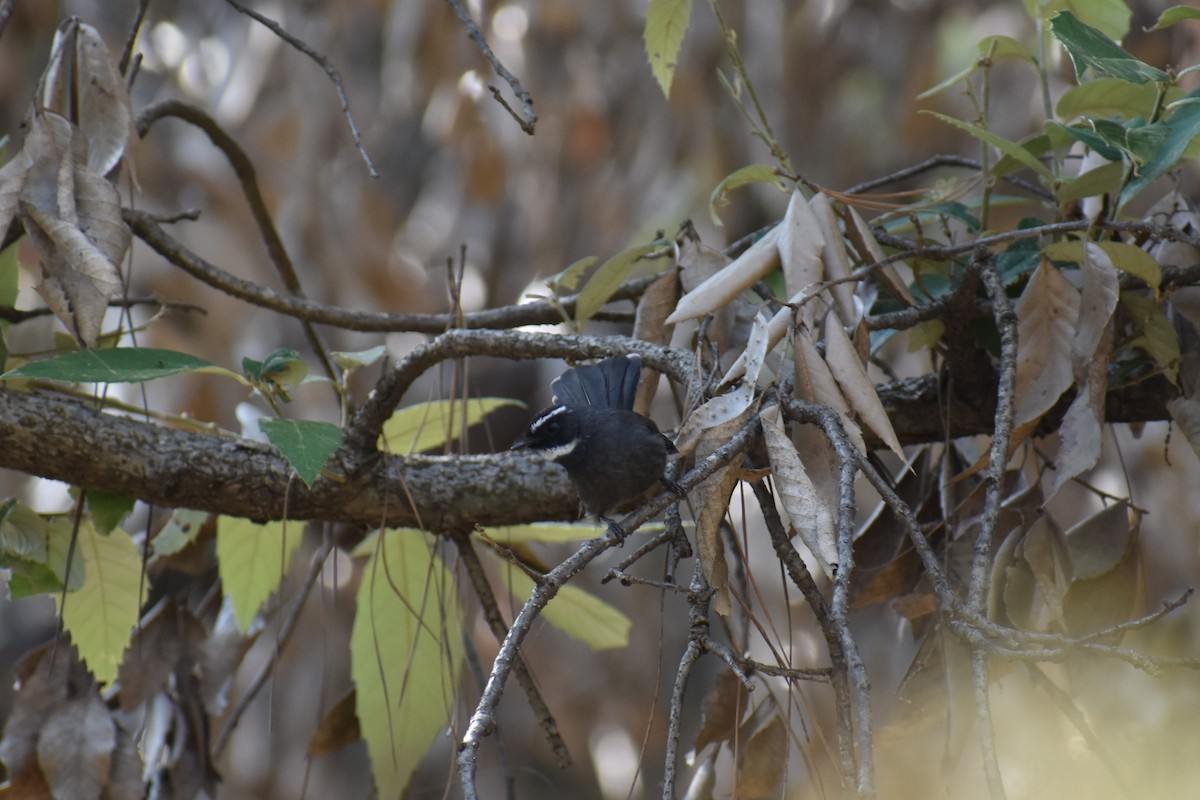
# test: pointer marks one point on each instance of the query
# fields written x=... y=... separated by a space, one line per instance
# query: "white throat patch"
x=555 y=453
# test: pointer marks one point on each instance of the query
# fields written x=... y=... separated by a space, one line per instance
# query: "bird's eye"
x=552 y=427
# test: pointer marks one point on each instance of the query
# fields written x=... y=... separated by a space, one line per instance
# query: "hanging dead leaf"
x=802 y=505
x=869 y=252
x=723 y=408
x=1036 y=581
x=650 y=325
x=75 y=748
x=836 y=259
x=77 y=279
x=1106 y=569
x=724 y=704
x=800 y=245
x=81 y=78
x=762 y=758
x=1047 y=315
x=857 y=387
x=1081 y=433
x=723 y=287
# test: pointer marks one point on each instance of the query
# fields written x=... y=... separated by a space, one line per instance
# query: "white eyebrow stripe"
x=549 y=415
x=555 y=453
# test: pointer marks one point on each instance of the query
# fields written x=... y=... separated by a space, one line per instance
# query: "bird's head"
x=554 y=433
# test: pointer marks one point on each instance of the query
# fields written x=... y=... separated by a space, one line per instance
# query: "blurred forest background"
x=611 y=162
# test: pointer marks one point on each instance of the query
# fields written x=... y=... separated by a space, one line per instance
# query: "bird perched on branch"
x=612 y=454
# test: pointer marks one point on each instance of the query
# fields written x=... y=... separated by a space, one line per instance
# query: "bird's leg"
x=674 y=488
x=615 y=527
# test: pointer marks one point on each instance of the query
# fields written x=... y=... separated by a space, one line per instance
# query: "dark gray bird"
x=613 y=455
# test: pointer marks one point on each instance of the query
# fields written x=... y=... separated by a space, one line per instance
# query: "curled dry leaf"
x=723 y=287
x=75 y=748
x=82 y=75
x=800 y=246
x=857 y=387
x=869 y=252
x=720 y=410
x=805 y=512
x=650 y=325
x=837 y=260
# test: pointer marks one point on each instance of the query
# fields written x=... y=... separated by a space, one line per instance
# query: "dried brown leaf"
x=75 y=748
x=724 y=704
x=762 y=759
x=857 y=387
x=650 y=325
x=78 y=280
x=723 y=287
x=338 y=728
x=837 y=260
x=1081 y=431
x=1047 y=314
x=800 y=245
x=82 y=75
x=869 y=252
x=803 y=507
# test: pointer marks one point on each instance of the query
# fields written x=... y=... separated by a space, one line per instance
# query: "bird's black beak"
x=521 y=443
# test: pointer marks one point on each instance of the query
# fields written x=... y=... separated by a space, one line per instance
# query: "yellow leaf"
x=607 y=278
x=428 y=425
x=666 y=22
x=252 y=560
x=755 y=173
x=104 y=611
x=580 y=615
x=544 y=532
x=405 y=655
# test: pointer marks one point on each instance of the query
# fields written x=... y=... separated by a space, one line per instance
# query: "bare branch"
x=528 y=119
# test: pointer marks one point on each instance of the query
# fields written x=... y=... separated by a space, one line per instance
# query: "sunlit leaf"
x=733 y=279
x=283 y=367
x=607 y=278
x=1108 y=97
x=579 y=614
x=666 y=23
x=181 y=530
x=357 y=359
x=405 y=655
x=252 y=560
x=426 y=426
x=545 y=532
x=993 y=48
x=1173 y=15
x=803 y=507
x=103 y=612
x=1179 y=129
x=857 y=387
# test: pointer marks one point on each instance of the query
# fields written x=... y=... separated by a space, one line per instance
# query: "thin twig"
x=334 y=76
x=247 y=177
x=539 y=312
x=130 y=40
x=527 y=119
x=15 y=315
x=491 y=613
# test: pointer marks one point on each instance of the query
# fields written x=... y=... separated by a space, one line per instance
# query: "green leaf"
x=35 y=549
x=666 y=23
x=305 y=444
x=1179 y=129
x=993 y=47
x=116 y=365
x=580 y=615
x=405 y=655
x=108 y=510
x=1173 y=15
x=181 y=530
x=1158 y=338
x=426 y=426
x=1089 y=47
x=755 y=173
x=1012 y=149
x=1089 y=137
x=607 y=278
x=252 y=560
x=103 y=612
x=1111 y=17
x=1094 y=182
x=1109 y=97
x=567 y=281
